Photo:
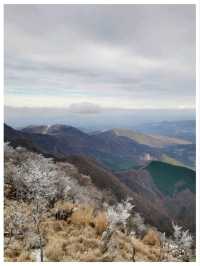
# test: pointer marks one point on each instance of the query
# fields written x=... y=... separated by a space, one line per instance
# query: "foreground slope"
x=53 y=212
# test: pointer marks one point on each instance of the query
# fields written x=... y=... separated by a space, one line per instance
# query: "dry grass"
x=101 y=222
x=79 y=241
x=76 y=243
x=120 y=247
x=72 y=242
x=11 y=253
x=91 y=256
x=83 y=216
x=58 y=226
x=51 y=226
x=145 y=252
x=25 y=256
x=152 y=238
x=18 y=251
x=55 y=250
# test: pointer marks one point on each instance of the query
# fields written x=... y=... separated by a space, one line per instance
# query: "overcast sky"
x=87 y=57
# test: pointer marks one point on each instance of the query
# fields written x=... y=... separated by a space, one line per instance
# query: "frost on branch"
x=186 y=239
x=177 y=232
x=16 y=220
x=183 y=242
x=119 y=214
x=36 y=179
x=8 y=150
x=136 y=224
x=182 y=238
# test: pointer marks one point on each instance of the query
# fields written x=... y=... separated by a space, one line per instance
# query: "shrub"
x=63 y=210
x=180 y=246
x=136 y=225
x=152 y=238
x=17 y=219
x=119 y=214
x=101 y=222
x=181 y=237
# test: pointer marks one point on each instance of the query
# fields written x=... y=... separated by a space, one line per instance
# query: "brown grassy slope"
x=77 y=239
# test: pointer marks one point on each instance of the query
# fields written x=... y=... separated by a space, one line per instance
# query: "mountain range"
x=185 y=129
x=119 y=161
x=156 y=141
x=117 y=149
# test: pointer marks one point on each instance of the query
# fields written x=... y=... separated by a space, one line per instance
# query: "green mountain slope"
x=171 y=178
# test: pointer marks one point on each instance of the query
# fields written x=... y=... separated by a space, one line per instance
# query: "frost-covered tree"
x=136 y=224
x=183 y=240
x=119 y=214
x=8 y=151
x=181 y=237
x=177 y=231
x=37 y=181
x=186 y=239
x=16 y=220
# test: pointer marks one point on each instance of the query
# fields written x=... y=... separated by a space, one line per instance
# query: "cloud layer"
x=126 y=56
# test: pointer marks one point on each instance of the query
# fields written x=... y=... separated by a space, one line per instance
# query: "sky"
x=91 y=57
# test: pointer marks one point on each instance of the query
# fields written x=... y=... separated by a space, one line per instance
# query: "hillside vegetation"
x=53 y=212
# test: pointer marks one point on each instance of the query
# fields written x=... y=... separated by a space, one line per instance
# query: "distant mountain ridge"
x=177 y=129
x=109 y=148
x=150 y=140
x=116 y=149
x=145 y=184
x=56 y=129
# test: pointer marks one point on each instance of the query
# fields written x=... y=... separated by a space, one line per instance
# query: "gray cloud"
x=84 y=108
x=144 y=54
